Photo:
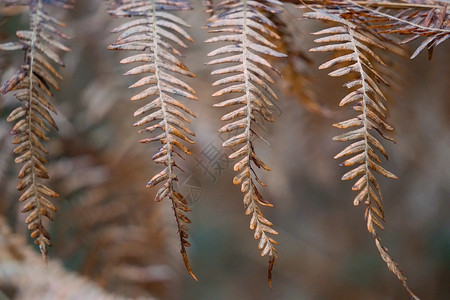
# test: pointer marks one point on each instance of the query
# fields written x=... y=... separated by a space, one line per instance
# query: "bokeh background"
x=112 y=240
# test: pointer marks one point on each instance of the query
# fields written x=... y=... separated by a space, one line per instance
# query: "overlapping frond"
x=355 y=56
x=243 y=23
x=153 y=31
x=296 y=82
x=414 y=19
x=33 y=83
x=429 y=22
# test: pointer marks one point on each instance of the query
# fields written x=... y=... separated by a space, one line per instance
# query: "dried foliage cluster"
x=245 y=20
x=252 y=39
x=153 y=30
x=34 y=82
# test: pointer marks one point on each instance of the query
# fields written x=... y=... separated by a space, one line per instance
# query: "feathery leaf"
x=250 y=31
x=153 y=31
x=33 y=83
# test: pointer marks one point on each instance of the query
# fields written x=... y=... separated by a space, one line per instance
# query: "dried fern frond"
x=429 y=20
x=153 y=31
x=33 y=83
x=431 y=23
x=244 y=24
x=355 y=56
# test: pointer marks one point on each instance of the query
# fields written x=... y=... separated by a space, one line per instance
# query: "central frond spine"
x=168 y=145
x=35 y=23
x=253 y=207
x=364 y=111
x=160 y=95
x=368 y=100
x=152 y=30
x=33 y=82
x=247 y=89
x=245 y=24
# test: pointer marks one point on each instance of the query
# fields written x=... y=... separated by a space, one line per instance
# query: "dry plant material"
x=208 y=4
x=296 y=83
x=428 y=19
x=152 y=31
x=33 y=83
x=244 y=24
x=432 y=23
x=252 y=32
x=355 y=56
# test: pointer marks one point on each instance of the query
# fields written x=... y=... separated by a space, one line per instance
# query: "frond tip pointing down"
x=152 y=32
x=244 y=24
x=33 y=83
x=355 y=56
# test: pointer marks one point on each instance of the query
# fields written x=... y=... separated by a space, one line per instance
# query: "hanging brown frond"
x=33 y=83
x=433 y=24
x=355 y=56
x=153 y=31
x=413 y=19
x=244 y=24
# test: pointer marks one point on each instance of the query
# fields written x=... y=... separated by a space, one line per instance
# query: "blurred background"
x=112 y=240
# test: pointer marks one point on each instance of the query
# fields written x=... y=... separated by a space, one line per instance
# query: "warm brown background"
x=109 y=229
